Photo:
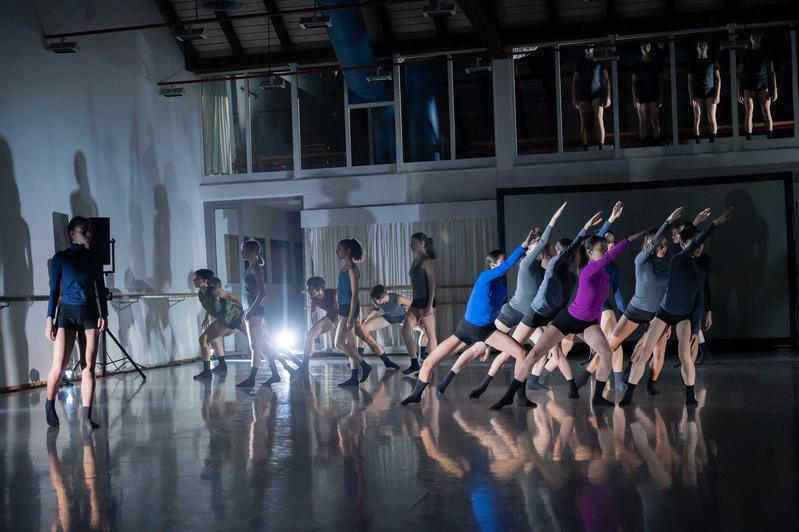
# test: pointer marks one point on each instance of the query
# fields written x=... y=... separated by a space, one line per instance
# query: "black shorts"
x=608 y=305
x=344 y=310
x=421 y=302
x=672 y=319
x=586 y=95
x=509 y=316
x=235 y=323
x=77 y=317
x=394 y=319
x=636 y=315
x=469 y=334
x=535 y=320
x=648 y=97
x=703 y=93
x=568 y=324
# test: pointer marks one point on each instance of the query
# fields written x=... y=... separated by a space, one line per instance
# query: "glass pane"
x=773 y=52
x=270 y=124
x=708 y=72
x=474 y=108
x=645 y=94
x=322 y=120
x=536 y=103
x=425 y=112
x=362 y=90
x=224 y=135
x=373 y=138
x=593 y=81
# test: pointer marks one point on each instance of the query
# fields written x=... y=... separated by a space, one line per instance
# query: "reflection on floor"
x=174 y=454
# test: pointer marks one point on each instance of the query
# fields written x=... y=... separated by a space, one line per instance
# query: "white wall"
x=88 y=134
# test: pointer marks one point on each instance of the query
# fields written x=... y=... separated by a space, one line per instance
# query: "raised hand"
x=702 y=216
x=558 y=213
x=724 y=216
x=678 y=212
x=529 y=239
x=636 y=236
x=616 y=212
x=594 y=220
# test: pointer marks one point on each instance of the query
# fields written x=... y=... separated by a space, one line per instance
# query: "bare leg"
x=596 y=340
x=319 y=328
x=62 y=347
x=697 y=118
x=654 y=114
x=467 y=356
x=711 y=116
x=408 y=324
x=749 y=107
x=88 y=354
x=429 y=324
x=599 y=118
x=364 y=332
x=346 y=343
x=445 y=349
x=765 y=108
x=641 y=108
x=585 y=121
x=684 y=350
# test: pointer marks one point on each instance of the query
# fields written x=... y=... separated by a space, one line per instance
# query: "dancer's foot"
x=49 y=413
x=413 y=368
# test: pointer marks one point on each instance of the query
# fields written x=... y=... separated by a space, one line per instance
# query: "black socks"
x=221 y=366
x=416 y=394
x=628 y=395
x=625 y=375
x=422 y=352
x=573 y=390
x=650 y=387
x=206 y=372
x=49 y=412
x=598 y=400
x=353 y=380
x=712 y=138
x=748 y=136
x=507 y=399
x=698 y=139
x=522 y=400
x=367 y=369
x=274 y=378
x=480 y=390
x=690 y=397
x=390 y=364
x=442 y=386
x=769 y=134
x=249 y=382
x=87 y=419
x=582 y=379
x=413 y=368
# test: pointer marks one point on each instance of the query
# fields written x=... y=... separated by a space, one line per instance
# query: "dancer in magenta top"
x=581 y=317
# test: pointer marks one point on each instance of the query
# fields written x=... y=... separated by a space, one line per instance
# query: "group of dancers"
x=669 y=291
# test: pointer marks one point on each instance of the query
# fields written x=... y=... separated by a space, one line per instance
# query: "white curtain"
x=461 y=246
x=216 y=128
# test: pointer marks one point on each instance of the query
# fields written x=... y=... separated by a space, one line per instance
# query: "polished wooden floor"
x=175 y=454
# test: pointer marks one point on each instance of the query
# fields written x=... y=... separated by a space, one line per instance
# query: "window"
x=593 y=84
x=473 y=95
x=322 y=120
x=224 y=134
x=425 y=112
x=270 y=124
x=232 y=257
x=536 y=107
x=372 y=135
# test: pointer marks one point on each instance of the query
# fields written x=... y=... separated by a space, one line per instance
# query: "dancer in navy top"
x=77 y=277
x=349 y=251
x=485 y=301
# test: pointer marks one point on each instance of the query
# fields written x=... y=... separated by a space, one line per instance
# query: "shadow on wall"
x=16 y=265
x=81 y=201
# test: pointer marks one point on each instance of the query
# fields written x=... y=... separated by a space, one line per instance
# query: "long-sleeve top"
x=489 y=292
x=613 y=271
x=558 y=283
x=530 y=275
x=592 y=288
x=684 y=290
x=77 y=276
x=651 y=274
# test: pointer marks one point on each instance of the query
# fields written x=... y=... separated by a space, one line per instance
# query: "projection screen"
x=752 y=257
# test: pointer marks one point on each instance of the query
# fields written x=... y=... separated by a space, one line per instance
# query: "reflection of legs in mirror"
x=599 y=119
x=642 y=122
x=711 y=118
x=765 y=107
x=697 y=109
x=586 y=114
x=654 y=114
x=749 y=108
x=62 y=347
x=687 y=368
x=88 y=355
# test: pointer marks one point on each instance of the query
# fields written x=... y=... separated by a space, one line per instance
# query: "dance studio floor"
x=174 y=454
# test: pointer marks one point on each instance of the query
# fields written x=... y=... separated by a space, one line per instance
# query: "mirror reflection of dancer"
x=423 y=306
x=704 y=90
x=478 y=325
x=388 y=308
x=77 y=277
x=225 y=308
x=581 y=317
x=591 y=95
x=682 y=306
x=253 y=292
x=349 y=251
x=648 y=93
x=757 y=79
x=322 y=299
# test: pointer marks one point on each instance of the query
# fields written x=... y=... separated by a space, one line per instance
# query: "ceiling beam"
x=483 y=23
x=384 y=23
x=441 y=28
x=170 y=16
x=230 y=33
x=279 y=25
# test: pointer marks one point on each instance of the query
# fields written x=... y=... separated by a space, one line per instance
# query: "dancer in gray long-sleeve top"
x=681 y=306
x=514 y=312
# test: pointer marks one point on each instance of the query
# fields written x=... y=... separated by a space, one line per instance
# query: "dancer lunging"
x=388 y=308
x=321 y=299
x=225 y=308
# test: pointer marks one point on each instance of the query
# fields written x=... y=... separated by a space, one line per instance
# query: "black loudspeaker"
x=101 y=240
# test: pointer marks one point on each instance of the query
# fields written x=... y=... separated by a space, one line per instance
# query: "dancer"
x=591 y=95
x=478 y=324
x=648 y=93
x=581 y=317
x=422 y=309
x=322 y=299
x=80 y=275
x=349 y=251
x=552 y=296
x=681 y=306
x=757 y=79
x=226 y=311
x=387 y=309
x=528 y=280
x=704 y=90
x=253 y=292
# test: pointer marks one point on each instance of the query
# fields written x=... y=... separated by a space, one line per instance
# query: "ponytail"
x=427 y=242
x=255 y=247
x=355 y=248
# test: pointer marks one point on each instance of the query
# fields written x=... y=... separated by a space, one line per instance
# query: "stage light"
x=286 y=339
